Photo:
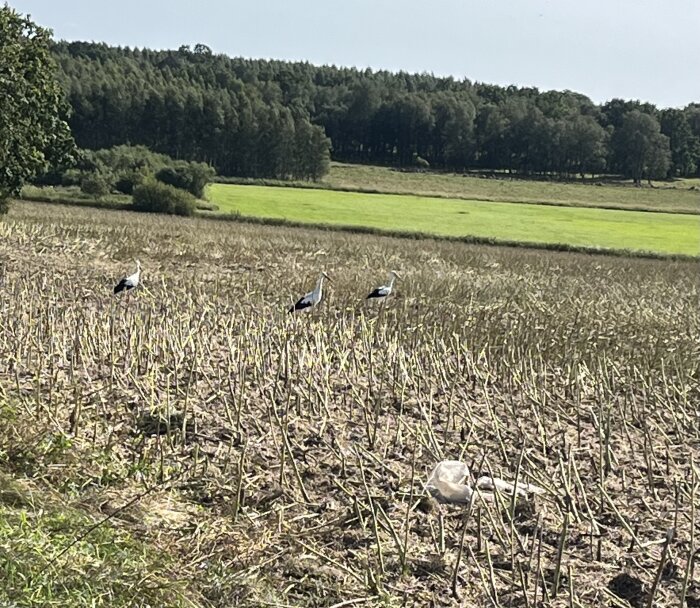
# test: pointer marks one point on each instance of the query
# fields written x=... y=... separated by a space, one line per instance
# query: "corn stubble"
x=282 y=458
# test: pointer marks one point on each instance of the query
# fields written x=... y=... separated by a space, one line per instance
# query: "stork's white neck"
x=392 y=278
x=319 y=285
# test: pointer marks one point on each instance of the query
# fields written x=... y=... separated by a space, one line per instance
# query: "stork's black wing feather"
x=377 y=293
x=300 y=305
x=121 y=286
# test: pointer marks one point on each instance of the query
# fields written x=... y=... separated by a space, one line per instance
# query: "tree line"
x=186 y=105
x=281 y=119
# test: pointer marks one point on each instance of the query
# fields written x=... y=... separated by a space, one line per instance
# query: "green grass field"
x=613 y=229
x=672 y=197
x=36 y=524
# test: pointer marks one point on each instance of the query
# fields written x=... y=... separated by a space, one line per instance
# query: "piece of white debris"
x=450 y=482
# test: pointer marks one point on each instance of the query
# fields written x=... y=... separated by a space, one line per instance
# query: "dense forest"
x=282 y=119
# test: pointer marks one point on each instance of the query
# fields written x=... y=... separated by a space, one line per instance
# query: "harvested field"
x=280 y=460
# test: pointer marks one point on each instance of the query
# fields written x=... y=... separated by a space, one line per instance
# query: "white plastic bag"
x=450 y=482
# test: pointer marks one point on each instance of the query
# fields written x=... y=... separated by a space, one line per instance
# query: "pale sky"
x=633 y=49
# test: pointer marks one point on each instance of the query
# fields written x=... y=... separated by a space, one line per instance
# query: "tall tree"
x=312 y=159
x=453 y=133
x=32 y=132
x=585 y=145
x=642 y=151
x=491 y=129
x=363 y=102
x=685 y=147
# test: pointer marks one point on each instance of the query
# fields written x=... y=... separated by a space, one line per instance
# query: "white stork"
x=313 y=297
x=130 y=282
x=385 y=290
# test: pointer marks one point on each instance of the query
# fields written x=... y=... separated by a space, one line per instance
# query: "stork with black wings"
x=385 y=290
x=312 y=298
x=129 y=282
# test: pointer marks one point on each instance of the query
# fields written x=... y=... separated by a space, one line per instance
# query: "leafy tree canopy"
x=640 y=147
x=260 y=118
x=33 y=133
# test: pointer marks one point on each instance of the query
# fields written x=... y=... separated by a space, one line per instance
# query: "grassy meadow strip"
x=470 y=240
x=37 y=526
x=529 y=224
x=673 y=197
x=286 y=455
x=678 y=196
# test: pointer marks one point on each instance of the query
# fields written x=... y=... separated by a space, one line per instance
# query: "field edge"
x=299 y=185
x=400 y=234
x=467 y=239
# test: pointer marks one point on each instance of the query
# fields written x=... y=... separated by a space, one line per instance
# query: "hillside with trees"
x=260 y=118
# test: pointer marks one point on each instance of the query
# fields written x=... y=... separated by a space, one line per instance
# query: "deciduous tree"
x=685 y=147
x=642 y=151
x=33 y=133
